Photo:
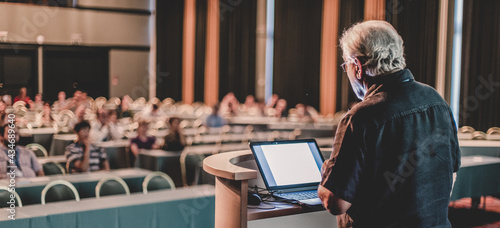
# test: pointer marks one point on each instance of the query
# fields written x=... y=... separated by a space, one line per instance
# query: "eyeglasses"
x=343 y=66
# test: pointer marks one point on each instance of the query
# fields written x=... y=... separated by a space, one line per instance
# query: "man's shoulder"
x=73 y=147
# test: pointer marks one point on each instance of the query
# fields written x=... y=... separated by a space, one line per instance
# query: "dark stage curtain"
x=297 y=43
x=351 y=12
x=417 y=23
x=480 y=82
x=199 y=65
x=237 y=48
x=169 y=35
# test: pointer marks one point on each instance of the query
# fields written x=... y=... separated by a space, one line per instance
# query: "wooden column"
x=212 y=54
x=442 y=50
x=188 y=50
x=260 y=51
x=328 y=71
x=374 y=10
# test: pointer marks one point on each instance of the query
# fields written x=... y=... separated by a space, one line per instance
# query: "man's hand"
x=333 y=204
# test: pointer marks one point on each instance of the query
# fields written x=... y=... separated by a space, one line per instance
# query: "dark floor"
x=462 y=215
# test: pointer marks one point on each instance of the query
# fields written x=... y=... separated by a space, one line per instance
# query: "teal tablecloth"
x=30 y=189
x=478 y=176
x=188 y=207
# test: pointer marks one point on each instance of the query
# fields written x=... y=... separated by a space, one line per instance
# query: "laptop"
x=291 y=169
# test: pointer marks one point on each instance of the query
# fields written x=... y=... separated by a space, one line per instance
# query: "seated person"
x=175 y=140
x=23 y=96
x=24 y=161
x=123 y=110
x=142 y=141
x=102 y=129
x=82 y=156
x=37 y=105
x=214 y=119
x=61 y=102
x=46 y=117
x=79 y=117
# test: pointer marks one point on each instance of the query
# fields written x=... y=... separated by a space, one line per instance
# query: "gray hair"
x=377 y=44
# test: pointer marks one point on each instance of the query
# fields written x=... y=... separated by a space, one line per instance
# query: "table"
x=42 y=136
x=118 y=153
x=30 y=189
x=160 y=160
x=169 y=163
x=478 y=176
x=183 y=208
x=480 y=147
x=60 y=142
x=61 y=159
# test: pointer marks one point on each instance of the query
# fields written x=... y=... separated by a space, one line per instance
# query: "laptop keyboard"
x=299 y=195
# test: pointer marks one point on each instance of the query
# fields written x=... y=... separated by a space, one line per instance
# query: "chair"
x=168 y=101
x=111 y=185
x=53 y=168
x=156 y=181
x=493 y=133
x=478 y=135
x=5 y=197
x=59 y=190
x=38 y=149
x=191 y=165
x=466 y=129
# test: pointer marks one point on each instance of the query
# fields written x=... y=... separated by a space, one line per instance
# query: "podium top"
x=225 y=165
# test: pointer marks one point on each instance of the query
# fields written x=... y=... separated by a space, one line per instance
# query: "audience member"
x=214 y=119
x=23 y=96
x=281 y=110
x=141 y=141
x=175 y=140
x=7 y=99
x=73 y=102
x=102 y=130
x=273 y=101
x=113 y=125
x=229 y=105
x=82 y=156
x=79 y=116
x=37 y=105
x=61 y=102
x=155 y=112
x=3 y=106
x=24 y=160
x=123 y=110
x=46 y=117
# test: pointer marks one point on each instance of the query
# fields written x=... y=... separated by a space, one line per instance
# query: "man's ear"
x=359 y=69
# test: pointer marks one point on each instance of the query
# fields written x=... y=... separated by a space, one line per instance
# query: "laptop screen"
x=288 y=164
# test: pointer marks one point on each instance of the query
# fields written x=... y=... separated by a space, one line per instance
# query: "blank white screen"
x=291 y=163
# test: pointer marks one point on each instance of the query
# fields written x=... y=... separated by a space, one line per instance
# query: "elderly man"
x=24 y=161
x=395 y=153
x=82 y=156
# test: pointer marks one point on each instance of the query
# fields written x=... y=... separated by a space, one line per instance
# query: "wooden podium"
x=231 y=186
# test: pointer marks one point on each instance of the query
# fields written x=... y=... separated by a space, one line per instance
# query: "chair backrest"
x=53 y=168
x=191 y=164
x=156 y=181
x=59 y=190
x=111 y=185
x=38 y=149
x=5 y=197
